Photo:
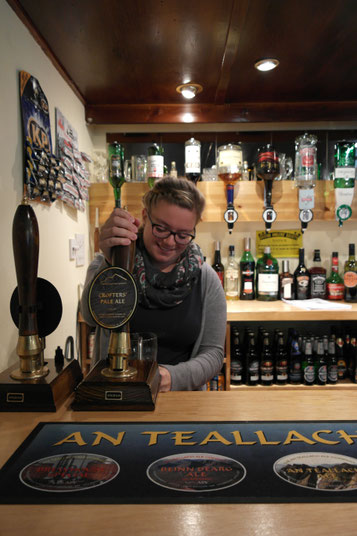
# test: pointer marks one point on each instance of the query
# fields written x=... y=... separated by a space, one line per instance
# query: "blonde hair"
x=176 y=191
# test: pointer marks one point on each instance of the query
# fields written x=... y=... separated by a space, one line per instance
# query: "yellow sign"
x=282 y=243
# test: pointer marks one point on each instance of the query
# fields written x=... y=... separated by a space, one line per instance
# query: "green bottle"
x=116 y=169
x=155 y=164
x=247 y=267
x=267 y=280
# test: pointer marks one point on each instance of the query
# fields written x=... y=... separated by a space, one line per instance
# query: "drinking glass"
x=143 y=346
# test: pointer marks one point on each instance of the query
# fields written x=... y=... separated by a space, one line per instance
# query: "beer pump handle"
x=25 y=240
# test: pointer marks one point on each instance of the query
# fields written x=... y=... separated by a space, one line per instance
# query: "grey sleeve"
x=207 y=357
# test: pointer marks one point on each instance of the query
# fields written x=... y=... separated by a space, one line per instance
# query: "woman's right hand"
x=120 y=229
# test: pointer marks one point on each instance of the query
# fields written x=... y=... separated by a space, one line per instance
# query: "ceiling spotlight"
x=189 y=91
x=267 y=64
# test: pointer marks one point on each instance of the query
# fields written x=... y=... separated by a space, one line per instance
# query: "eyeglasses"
x=162 y=232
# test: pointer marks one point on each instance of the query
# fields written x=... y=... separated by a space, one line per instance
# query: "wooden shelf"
x=249 y=200
x=342 y=385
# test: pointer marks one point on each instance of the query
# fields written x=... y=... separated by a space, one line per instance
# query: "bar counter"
x=255 y=404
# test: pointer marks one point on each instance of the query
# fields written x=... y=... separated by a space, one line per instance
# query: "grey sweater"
x=206 y=359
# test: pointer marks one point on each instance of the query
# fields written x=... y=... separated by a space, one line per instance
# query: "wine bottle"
x=247 y=267
x=155 y=164
x=350 y=275
x=302 y=278
x=334 y=283
x=318 y=277
x=231 y=276
x=267 y=277
x=286 y=283
x=217 y=263
x=193 y=159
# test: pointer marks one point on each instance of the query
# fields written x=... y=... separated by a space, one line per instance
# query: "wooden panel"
x=249 y=200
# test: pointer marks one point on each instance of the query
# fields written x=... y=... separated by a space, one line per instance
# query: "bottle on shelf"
x=317 y=277
x=302 y=278
x=350 y=275
x=155 y=164
x=308 y=365
x=334 y=283
x=247 y=268
x=341 y=358
x=266 y=366
x=321 y=365
x=193 y=160
x=281 y=361
x=353 y=358
x=332 y=374
x=96 y=233
x=286 y=283
x=217 y=263
x=252 y=362
x=267 y=277
x=231 y=276
x=236 y=359
x=173 y=170
x=245 y=172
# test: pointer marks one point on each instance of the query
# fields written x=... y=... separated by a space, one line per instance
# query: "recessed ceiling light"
x=189 y=91
x=267 y=64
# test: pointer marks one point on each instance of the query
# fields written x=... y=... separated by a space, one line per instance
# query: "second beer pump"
x=230 y=163
x=305 y=176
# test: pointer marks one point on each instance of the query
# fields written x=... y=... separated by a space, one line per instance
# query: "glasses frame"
x=175 y=233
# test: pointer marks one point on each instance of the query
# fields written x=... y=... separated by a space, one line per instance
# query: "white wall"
x=58 y=223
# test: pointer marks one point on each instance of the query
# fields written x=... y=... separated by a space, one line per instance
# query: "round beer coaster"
x=112 y=297
x=196 y=472
x=321 y=471
x=69 y=472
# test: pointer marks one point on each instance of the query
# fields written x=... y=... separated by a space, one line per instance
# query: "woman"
x=181 y=299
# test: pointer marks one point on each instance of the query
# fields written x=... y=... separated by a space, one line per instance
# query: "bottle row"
x=264 y=280
x=266 y=358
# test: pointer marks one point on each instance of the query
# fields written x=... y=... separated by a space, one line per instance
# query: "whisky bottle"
x=267 y=277
x=155 y=164
x=302 y=278
x=334 y=283
x=308 y=366
x=247 y=267
x=217 y=263
x=318 y=277
x=231 y=276
x=350 y=275
x=286 y=283
x=193 y=160
x=266 y=363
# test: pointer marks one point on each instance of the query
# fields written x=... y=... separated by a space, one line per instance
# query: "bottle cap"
x=247 y=244
x=217 y=245
x=351 y=249
x=317 y=257
x=285 y=266
x=231 y=249
x=267 y=249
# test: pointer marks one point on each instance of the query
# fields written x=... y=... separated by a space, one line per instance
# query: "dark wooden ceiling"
x=124 y=58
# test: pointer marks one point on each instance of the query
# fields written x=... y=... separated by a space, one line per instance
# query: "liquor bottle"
x=332 y=374
x=231 y=276
x=173 y=170
x=334 y=283
x=252 y=363
x=317 y=277
x=344 y=180
x=116 y=168
x=236 y=359
x=245 y=173
x=217 y=263
x=281 y=361
x=341 y=359
x=96 y=233
x=155 y=164
x=193 y=159
x=302 y=278
x=286 y=283
x=350 y=275
x=267 y=278
x=308 y=365
x=321 y=366
x=247 y=267
x=295 y=365
x=266 y=366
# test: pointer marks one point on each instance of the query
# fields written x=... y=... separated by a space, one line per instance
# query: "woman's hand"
x=120 y=229
x=165 y=383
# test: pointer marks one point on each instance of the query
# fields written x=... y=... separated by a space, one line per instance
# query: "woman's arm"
x=207 y=357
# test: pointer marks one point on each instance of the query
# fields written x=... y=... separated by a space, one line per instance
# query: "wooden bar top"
x=180 y=519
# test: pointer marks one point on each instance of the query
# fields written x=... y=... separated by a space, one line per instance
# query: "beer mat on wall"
x=183 y=462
